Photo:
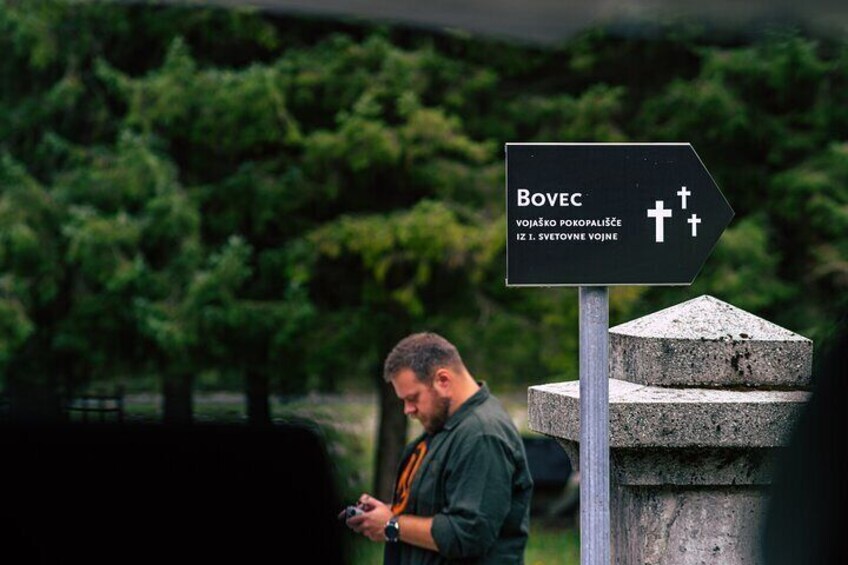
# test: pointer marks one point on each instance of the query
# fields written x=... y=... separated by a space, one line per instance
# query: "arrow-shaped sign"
x=599 y=214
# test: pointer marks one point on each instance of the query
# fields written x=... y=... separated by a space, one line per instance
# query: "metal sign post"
x=594 y=426
x=593 y=215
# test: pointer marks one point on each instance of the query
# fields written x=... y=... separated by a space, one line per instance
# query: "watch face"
x=392 y=530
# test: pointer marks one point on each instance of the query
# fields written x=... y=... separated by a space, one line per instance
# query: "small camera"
x=352 y=511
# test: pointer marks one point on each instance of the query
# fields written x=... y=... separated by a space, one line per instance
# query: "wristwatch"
x=392 y=530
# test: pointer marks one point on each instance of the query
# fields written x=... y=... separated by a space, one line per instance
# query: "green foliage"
x=222 y=115
x=30 y=248
x=187 y=190
x=15 y=327
x=593 y=115
x=810 y=202
x=404 y=252
x=763 y=118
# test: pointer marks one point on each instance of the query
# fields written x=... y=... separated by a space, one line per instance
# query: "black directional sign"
x=598 y=214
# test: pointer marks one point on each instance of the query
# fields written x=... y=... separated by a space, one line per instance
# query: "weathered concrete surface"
x=707 y=342
x=686 y=526
x=693 y=467
x=648 y=416
x=684 y=467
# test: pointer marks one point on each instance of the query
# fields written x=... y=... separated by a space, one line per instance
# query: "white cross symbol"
x=694 y=220
x=659 y=214
x=683 y=193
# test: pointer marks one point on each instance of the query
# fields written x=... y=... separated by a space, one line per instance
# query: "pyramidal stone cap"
x=705 y=342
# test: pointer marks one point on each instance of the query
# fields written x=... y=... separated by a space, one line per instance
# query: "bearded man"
x=463 y=486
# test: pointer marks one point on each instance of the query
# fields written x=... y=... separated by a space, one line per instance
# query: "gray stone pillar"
x=702 y=395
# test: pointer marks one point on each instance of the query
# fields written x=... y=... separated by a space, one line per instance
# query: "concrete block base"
x=672 y=525
x=702 y=400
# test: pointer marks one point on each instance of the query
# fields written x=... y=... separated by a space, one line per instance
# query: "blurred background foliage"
x=275 y=201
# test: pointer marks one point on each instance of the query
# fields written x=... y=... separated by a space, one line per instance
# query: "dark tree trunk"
x=393 y=423
x=177 y=400
x=391 y=439
x=256 y=393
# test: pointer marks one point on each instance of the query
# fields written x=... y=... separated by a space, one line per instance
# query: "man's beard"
x=440 y=415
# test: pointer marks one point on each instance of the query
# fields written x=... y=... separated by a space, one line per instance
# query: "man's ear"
x=443 y=380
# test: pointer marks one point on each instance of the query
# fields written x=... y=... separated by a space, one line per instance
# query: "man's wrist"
x=415 y=530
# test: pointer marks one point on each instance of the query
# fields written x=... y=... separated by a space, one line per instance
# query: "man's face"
x=421 y=401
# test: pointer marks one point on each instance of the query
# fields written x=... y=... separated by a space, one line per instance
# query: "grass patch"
x=548 y=544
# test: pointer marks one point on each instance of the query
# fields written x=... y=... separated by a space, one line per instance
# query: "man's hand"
x=371 y=524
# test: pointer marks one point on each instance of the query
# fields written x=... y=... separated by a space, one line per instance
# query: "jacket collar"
x=466 y=407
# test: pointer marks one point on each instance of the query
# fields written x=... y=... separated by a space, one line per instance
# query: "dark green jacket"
x=475 y=483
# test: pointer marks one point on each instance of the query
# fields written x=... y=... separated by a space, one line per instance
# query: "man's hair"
x=422 y=353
